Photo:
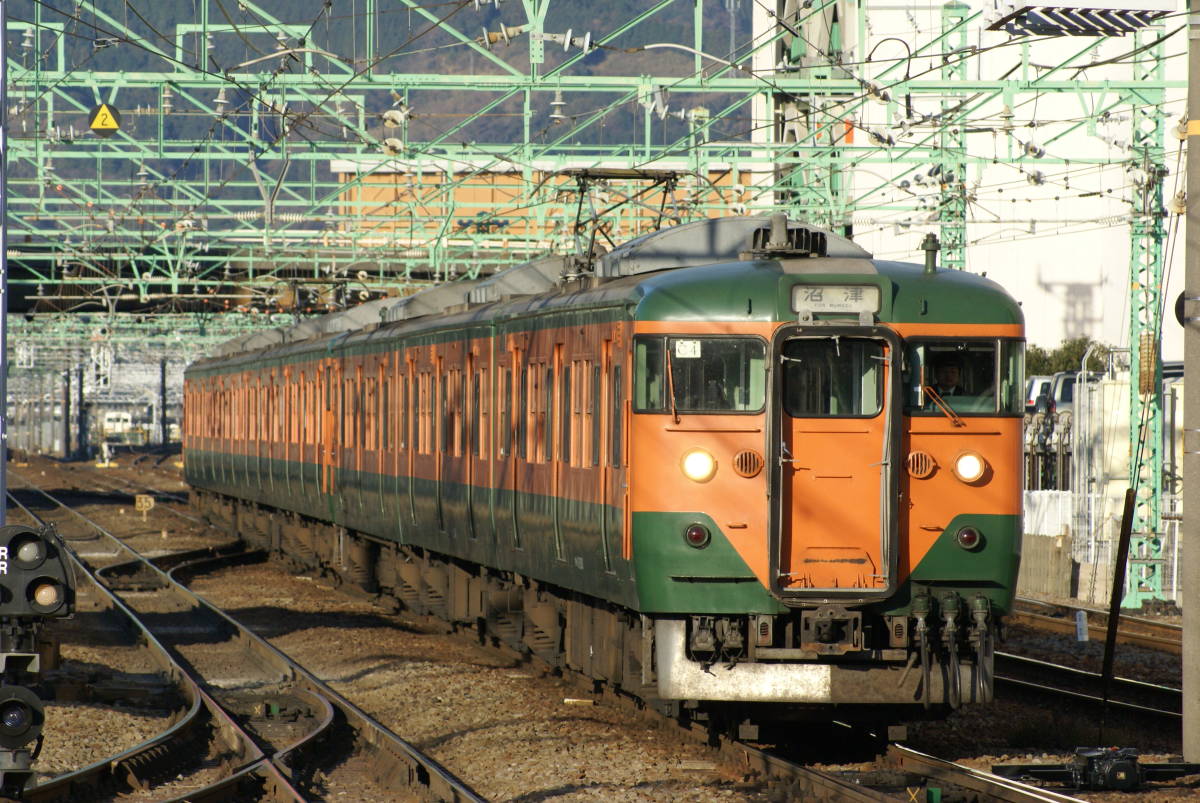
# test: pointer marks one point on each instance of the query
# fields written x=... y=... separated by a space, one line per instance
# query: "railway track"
x=278 y=732
x=913 y=776
x=1148 y=701
x=1135 y=630
x=910 y=772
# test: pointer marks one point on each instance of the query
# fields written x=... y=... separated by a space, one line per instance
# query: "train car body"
x=714 y=468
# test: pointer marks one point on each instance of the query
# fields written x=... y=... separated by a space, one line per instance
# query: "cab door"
x=837 y=428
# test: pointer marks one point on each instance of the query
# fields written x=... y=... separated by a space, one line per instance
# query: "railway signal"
x=36 y=584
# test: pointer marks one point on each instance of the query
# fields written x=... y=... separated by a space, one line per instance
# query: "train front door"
x=833 y=525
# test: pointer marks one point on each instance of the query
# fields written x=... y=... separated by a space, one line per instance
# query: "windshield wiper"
x=936 y=398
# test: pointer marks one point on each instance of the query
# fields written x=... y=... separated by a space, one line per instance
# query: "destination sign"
x=838 y=298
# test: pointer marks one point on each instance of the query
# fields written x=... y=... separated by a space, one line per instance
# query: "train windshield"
x=833 y=377
x=968 y=377
x=708 y=374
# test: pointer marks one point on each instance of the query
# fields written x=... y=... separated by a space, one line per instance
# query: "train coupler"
x=831 y=630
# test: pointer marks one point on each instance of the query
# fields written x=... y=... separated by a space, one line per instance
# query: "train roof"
x=644 y=272
x=701 y=242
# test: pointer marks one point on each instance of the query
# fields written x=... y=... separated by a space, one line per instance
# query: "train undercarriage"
x=753 y=677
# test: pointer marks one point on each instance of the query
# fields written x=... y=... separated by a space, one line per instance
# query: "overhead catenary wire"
x=513 y=157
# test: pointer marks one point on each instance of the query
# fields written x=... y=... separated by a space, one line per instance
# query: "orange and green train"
x=733 y=466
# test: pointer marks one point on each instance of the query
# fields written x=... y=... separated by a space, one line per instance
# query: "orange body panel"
x=835 y=539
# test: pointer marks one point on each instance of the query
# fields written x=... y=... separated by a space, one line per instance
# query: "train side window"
x=421 y=389
x=615 y=412
x=360 y=398
x=1012 y=377
x=476 y=414
x=404 y=436
x=371 y=414
x=301 y=407
x=462 y=393
x=523 y=414
x=485 y=410
x=385 y=413
x=594 y=412
x=446 y=430
x=346 y=422
x=650 y=379
x=548 y=417
x=565 y=414
x=506 y=414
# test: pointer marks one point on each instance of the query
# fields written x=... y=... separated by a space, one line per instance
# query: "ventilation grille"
x=920 y=465
x=748 y=463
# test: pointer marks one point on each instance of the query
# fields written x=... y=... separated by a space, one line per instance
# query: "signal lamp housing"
x=968 y=538
x=21 y=717
x=35 y=580
x=697 y=536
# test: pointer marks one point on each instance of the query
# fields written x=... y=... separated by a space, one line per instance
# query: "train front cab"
x=883 y=530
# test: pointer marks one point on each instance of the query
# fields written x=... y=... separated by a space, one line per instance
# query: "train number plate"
x=844 y=298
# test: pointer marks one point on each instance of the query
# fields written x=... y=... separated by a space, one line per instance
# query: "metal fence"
x=1086 y=527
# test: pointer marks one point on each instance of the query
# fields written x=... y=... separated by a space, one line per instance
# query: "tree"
x=1066 y=357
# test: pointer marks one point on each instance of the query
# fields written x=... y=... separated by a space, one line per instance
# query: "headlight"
x=698 y=465
x=969 y=466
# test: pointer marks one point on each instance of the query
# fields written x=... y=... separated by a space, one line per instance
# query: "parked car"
x=1037 y=386
x=1063 y=391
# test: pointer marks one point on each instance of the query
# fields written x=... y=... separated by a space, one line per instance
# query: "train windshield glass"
x=708 y=374
x=969 y=377
x=833 y=377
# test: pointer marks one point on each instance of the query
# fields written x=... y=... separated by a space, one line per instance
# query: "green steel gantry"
x=1144 y=578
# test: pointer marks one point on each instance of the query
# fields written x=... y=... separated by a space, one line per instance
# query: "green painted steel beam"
x=1144 y=578
x=223 y=175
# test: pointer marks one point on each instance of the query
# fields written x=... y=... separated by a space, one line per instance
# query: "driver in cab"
x=947 y=375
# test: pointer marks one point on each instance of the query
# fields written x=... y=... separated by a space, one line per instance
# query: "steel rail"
x=402 y=759
x=993 y=787
x=1163 y=636
x=155 y=492
x=804 y=783
x=1135 y=695
x=138 y=764
x=402 y=763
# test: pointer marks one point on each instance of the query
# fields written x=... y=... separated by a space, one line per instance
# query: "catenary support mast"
x=1190 y=599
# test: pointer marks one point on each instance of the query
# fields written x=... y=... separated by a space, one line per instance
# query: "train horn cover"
x=35 y=581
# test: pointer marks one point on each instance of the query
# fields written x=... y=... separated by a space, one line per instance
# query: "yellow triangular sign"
x=104 y=120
